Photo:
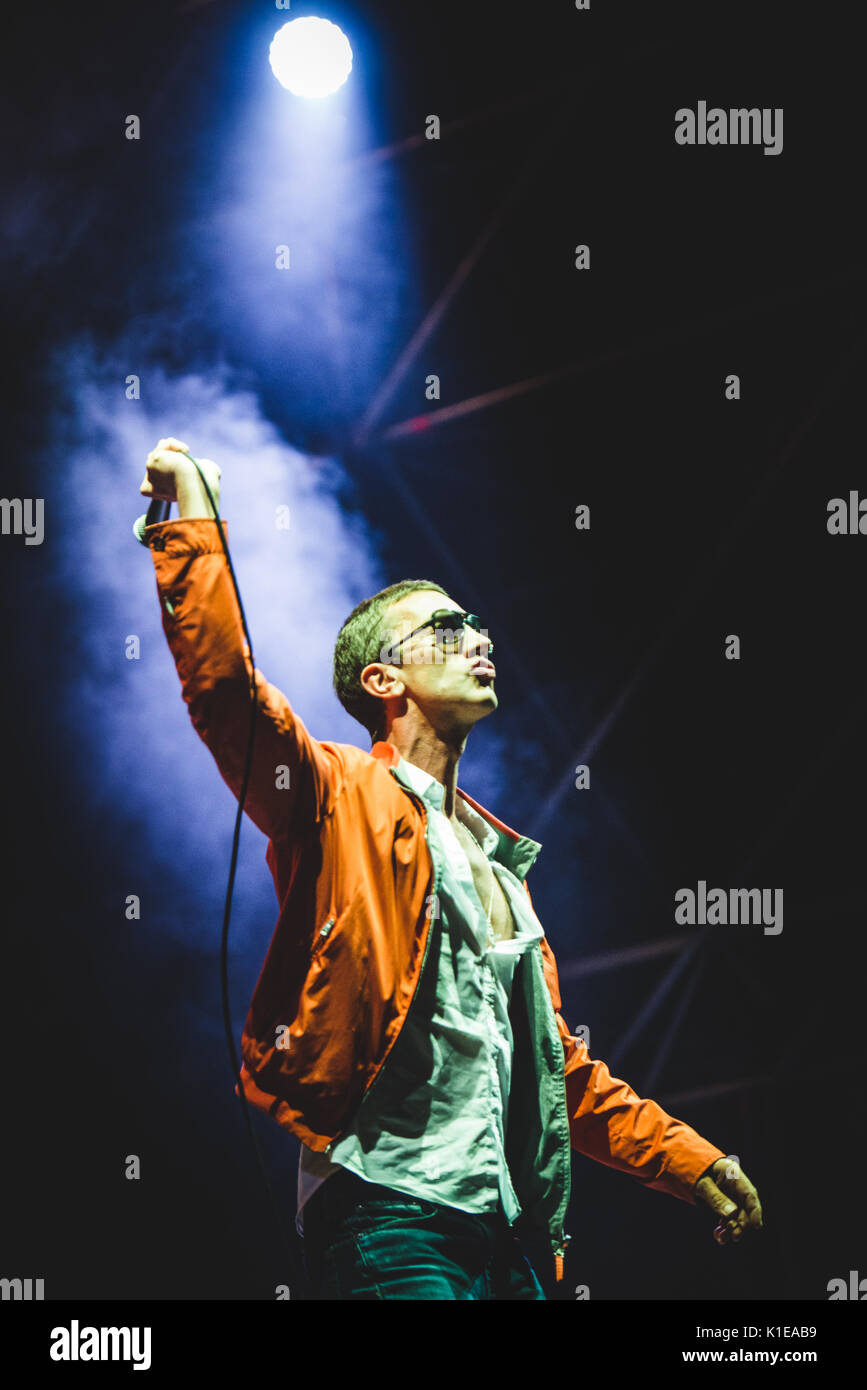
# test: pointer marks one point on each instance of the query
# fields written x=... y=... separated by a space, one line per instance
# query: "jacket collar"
x=516 y=851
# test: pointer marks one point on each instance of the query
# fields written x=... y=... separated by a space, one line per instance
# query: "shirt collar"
x=499 y=841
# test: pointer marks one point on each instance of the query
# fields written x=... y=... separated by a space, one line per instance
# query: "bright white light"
x=311 y=57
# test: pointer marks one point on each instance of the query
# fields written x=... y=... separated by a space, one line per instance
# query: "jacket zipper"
x=560 y=1250
x=323 y=932
x=560 y=1256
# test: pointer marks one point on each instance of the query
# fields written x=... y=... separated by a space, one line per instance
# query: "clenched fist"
x=730 y=1194
x=171 y=475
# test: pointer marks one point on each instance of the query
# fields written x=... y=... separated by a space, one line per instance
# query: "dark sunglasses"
x=448 y=632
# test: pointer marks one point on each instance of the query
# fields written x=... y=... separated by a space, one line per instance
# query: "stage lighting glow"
x=311 y=57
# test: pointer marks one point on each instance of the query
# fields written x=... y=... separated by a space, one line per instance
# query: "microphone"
x=157 y=511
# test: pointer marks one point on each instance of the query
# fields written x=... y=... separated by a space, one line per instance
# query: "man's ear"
x=379 y=679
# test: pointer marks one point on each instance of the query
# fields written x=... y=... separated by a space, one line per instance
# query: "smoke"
x=158 y=816
x=148 y=777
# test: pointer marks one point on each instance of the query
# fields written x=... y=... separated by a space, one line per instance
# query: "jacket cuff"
x=193 y=535
x=682 y=1171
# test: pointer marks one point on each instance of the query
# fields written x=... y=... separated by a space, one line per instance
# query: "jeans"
x=366 y=1241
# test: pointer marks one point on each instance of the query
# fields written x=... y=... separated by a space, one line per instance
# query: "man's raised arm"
x=293 y=777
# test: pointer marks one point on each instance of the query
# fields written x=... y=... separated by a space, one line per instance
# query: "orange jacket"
x=348 y=854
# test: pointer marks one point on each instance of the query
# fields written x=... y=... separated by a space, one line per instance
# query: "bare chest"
x=490 y=892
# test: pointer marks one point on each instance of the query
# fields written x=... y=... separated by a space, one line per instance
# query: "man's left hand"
x=728 y=1191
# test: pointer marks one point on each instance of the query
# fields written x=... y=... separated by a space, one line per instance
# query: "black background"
x=708 y=518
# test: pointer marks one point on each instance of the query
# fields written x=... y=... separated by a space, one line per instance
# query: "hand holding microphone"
x=171 y=476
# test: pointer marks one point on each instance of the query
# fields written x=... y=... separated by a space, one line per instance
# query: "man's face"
x=453 y=688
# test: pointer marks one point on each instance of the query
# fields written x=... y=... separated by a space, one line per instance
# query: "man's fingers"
x=734 y=1201
x=723 y=1232
x=157 y=484
x=169 y=445
x=728 y=1212
x=748 y=1199
x=734 y=1226
x=754 y=1210
x=721 y=1203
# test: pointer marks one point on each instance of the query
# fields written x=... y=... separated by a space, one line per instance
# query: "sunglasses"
x=448 y=628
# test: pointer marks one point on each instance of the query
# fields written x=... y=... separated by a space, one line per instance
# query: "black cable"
x=299 y=1279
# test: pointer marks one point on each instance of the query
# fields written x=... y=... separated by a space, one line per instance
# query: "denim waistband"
x=340 y=1193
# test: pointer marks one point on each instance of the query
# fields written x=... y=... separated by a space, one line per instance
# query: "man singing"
x=405 y=1024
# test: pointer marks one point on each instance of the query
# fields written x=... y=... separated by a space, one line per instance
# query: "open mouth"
x=483 y=668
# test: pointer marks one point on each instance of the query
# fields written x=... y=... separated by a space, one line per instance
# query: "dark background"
x=708 y=517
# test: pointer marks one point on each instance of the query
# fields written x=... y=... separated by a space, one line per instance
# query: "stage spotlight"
x=311 y=57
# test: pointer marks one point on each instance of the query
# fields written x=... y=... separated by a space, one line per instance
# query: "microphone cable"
x=299 y=1279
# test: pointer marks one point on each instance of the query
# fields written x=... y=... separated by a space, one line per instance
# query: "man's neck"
x=432 y=755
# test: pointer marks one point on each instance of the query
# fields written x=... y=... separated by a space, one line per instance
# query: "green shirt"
x=435 y=1122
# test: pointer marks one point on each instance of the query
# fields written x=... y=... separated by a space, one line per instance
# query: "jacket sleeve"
x=293 y=777
x=610 y=1123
